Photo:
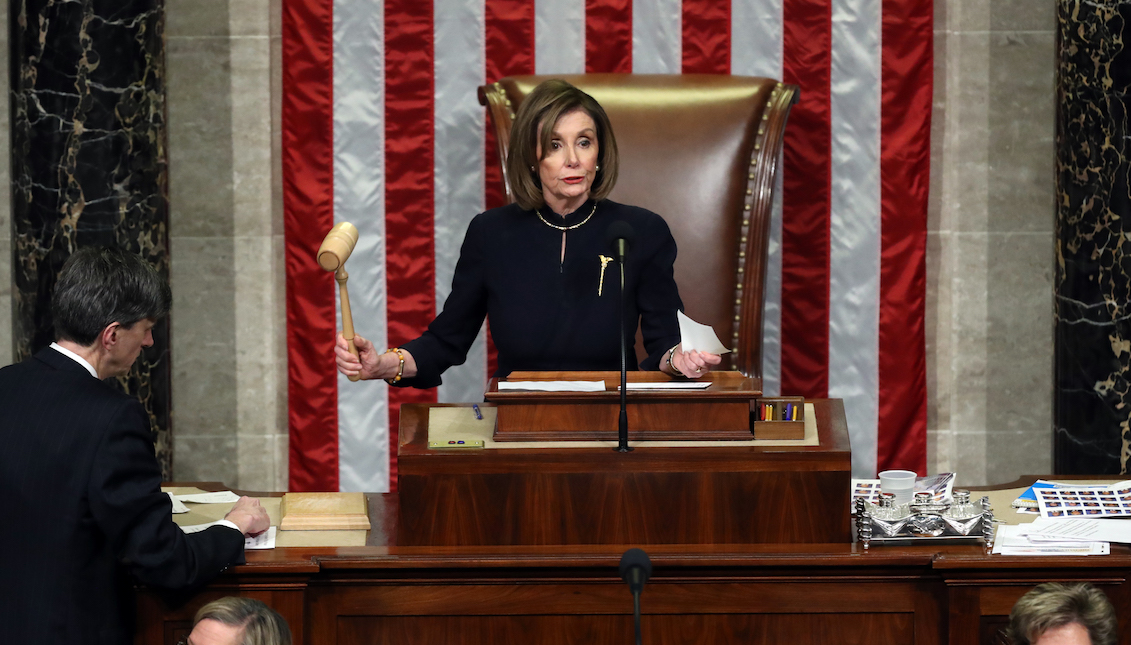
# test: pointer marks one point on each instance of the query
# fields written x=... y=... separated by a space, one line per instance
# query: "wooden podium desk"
x=389 y=593
x=721 y=494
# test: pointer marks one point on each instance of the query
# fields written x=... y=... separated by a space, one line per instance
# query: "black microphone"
x=635 y=569
x=620 y=236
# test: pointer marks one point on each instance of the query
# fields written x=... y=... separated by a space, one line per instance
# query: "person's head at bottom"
x=1063 y=614
x=238 y=621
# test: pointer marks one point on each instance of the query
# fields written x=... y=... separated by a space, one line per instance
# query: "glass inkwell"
x=963 y=516
x=888 y=517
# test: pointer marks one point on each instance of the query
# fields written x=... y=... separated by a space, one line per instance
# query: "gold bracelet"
x=671 y=366
x=400 y=370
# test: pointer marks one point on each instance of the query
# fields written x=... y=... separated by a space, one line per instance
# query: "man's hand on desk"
x=250 y=516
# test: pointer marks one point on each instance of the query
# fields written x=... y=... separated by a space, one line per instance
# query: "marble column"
x=990 y=240
x=223 y=61
x=88 y=161
x=1093 y=281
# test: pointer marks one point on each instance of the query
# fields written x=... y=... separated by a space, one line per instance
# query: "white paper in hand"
x=698 y=336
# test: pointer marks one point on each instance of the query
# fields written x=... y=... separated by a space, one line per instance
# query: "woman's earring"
x=532 y=169
x=598 y=167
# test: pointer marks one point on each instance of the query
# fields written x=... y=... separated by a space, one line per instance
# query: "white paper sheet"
x=673 y=385
x=178 y=507
x=265 y=540
x=221 y=497
x=698 y=336
x=1082 y=529
x=1013 y=540
x=553 y=386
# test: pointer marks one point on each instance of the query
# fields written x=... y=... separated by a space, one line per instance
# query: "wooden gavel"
x=332 y=256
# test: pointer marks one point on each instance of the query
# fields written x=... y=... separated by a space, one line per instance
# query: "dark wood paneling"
x=698 y=593
x=844 y=629
x=832 y=454
x=624 y=508
x=708 y=421
x=991 y=630
x=455 y=630
x=490 y=595
x=705 y=611
x=721 y=412
x=692 y=495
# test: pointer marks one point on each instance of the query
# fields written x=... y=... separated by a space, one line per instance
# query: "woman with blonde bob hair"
x=234 y=620
x=541 y=269
x=1061 y=614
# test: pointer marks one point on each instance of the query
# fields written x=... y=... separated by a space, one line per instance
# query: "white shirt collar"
x=75 y=357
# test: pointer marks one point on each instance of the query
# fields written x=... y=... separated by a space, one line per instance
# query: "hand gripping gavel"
x=332 y=256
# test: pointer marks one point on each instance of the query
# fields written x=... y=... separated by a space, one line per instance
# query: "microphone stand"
x=637 y=586
x=622 y=420
x=635 y=569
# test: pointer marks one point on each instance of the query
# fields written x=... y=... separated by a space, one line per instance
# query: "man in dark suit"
x=84 y=515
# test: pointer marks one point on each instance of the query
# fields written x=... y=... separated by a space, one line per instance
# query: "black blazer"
x=83 y=509
x=550 y=314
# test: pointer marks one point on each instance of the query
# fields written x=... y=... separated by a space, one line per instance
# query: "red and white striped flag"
x=382 y=128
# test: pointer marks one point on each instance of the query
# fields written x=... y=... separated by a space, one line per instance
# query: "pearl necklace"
x=566 y=228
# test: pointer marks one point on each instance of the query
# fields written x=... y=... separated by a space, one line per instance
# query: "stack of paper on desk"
x=1018 y=540
x=1044 y=536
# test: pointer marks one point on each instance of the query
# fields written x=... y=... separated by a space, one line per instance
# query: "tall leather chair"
x=702 y=151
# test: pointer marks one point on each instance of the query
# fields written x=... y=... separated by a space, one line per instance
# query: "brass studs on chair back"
x=747 y=208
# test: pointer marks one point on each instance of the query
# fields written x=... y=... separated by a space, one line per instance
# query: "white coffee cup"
x=900 y=483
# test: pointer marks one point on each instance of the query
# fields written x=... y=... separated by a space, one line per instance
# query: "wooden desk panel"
x=703 y=593
x=720 y=412
x=865 y=629
x=592 y=605
x=758 y=593
x=694 y=495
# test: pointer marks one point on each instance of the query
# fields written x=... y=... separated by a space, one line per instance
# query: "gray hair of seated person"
x=546 y=104
x=261 y=625
x=1052 y=605
x=99 y=286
